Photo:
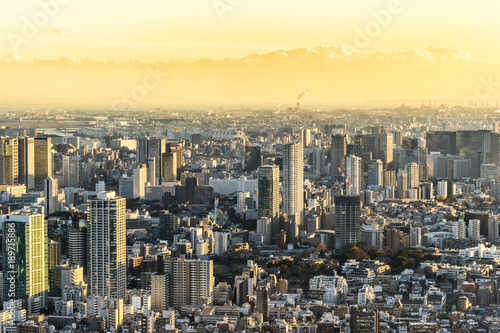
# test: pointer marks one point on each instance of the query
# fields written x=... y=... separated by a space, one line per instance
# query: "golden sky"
x=247 y=51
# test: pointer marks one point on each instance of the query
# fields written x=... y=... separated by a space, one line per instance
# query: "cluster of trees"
x=404 y=258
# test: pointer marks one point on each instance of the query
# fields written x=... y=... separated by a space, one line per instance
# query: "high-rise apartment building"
x=269 y=196
x=189 y=281
x=375 y=173
x=169 y=225
x=140 y=175
x=353 y=174
x=293 y=181
x=169 y=167
x=347 y=221
x=106 y=225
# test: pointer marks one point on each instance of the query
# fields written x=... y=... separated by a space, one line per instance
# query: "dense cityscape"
x=286 y=220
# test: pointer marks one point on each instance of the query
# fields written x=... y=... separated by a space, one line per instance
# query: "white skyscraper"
x=415 y=237
x=51 y=190
x=140 y=178
x=475 y=229
x=413 y=175
x=293 y=180
x=107 y=232
x=459 y=229
x=442 y=188
x=353 y=174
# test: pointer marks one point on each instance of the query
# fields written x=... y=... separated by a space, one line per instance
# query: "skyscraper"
x=375 y=173
x=44 y=166
x=26 y=162
x=263 y=302
x=189 y=281
x=293 y=180
x=381 y=146
x=253 y=158
x=169 y=225
x=9 y=170
x=140 y=175
x=269 y=196
x=155 y=148
x=353 y=174
x=169 y=167
x=71 y=170
x=51 y=192
x=107 y=263
x=25 y=255
x=339 y=147
x=347 y=221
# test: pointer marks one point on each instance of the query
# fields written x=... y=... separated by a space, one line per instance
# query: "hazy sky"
x=256 y=51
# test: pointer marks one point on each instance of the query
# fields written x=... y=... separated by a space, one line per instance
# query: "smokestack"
x=298 y=106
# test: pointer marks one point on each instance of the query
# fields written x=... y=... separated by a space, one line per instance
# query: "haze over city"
x=254 y=53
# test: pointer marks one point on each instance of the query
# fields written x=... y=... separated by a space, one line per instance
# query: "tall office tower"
x=71 y=171
x=156 y=147
x=493 y=151
x=364 y=321
x=459 y=229
x=159 y=292
x=78 y=248
x=415 y=237
x=305 y=137
x=381 y=146
x=474 y=230
x=54 y=249
x=338 y=152
x=263 y=303
x=140 y=175
x=347 y=221
x=9 y=169
x=253 y=158
x=269 y=196
x=179 y=154
x=493 y=229
x=412 y=173
x=398 y=138
x=142 y=150
x=107 y=263
x=51 y=193
x=375 y=173
x=293 y=180
x=25 y=273
x=189 y=281
x=389 y=178
x=427 y=191
x=353 y=174
x=151 y=171
x=169 y=167
x=401 y=184
x=44 y=166
x=170 y=224
x=26 y=162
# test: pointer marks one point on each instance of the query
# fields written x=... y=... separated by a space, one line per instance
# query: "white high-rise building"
x=442 y=188
x=140 y=178
x=459 y=229
x=221 y=242
x=415 y=237
x=293 y=180
x=51 y=191
x=413 y=175
x=353 y=174
x=107 y=236
x=264 y=226
x=475 y=229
